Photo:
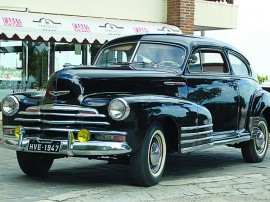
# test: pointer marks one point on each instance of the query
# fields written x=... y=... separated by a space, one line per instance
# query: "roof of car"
x=187 y=40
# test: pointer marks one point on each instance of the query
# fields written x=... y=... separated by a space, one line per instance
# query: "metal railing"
x=224 y=1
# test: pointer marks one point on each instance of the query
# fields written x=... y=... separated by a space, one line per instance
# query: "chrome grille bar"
x=60 y=114
x=77 y=130
x=62 y=122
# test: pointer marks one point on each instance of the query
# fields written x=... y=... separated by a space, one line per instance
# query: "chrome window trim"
x=118 y=44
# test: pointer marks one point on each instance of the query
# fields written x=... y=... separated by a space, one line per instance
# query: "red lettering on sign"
x=141 y=30
x=12 y=22
x=79 y=27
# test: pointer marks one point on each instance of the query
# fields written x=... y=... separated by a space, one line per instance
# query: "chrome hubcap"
x=155 y=154
x=261 y=138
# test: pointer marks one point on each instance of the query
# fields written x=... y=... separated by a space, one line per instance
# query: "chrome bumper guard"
x=67 y=147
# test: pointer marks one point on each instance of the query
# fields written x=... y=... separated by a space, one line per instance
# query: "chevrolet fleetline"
x=145 y=97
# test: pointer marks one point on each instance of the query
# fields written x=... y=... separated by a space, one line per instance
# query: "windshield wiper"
x=145 y=64
x=116 y=65
x=155 y=65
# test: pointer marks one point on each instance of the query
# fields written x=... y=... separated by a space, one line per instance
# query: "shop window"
x=37 y=72
x=10 y=66
x=70 y=54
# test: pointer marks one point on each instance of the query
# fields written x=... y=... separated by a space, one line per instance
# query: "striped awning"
x=48 y=27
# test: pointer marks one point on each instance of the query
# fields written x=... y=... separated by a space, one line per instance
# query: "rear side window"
x=238 y=66
x=208 y=62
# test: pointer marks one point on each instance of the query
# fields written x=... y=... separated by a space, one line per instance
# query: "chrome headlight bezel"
x=118 y=109
x=10 y=105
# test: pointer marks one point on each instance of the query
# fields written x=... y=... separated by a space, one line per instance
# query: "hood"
x=73 y=85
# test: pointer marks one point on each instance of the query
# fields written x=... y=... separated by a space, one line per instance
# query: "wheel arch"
x=171 y=132
x=266 y=114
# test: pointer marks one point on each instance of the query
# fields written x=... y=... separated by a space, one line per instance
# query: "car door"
x=211 y=84
x=247 y=84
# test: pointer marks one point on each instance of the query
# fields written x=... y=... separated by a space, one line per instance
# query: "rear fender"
x=261 y=101
x=260 y=106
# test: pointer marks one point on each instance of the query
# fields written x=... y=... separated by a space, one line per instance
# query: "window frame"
x=162 y=43
x=211 y=50
x=243 y=60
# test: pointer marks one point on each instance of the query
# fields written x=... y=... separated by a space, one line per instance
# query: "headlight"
x=10 y=105
x=118 y=109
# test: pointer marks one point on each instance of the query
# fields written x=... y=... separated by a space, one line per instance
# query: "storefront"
x=34 y=45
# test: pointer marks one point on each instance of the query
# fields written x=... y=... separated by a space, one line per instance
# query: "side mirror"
x=193 y=59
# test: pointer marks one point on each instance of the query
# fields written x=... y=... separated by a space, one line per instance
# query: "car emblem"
x=58 y=93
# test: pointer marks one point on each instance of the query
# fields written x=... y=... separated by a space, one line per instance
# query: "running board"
x=232 y=141
x=216 y=143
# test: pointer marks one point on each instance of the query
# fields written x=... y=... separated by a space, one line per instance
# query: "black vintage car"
x=146 y=97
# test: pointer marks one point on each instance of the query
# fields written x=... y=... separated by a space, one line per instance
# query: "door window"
x=208 y=62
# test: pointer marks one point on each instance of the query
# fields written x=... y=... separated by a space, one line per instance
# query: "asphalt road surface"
x=217 y=174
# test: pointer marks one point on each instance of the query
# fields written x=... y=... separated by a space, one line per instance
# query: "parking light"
x=84 y=135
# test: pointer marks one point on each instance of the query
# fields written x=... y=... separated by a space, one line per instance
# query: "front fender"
x=25 y=100
x=145 y=110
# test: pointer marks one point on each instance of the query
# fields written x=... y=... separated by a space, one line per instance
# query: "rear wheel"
x=254 y=151
x=34 y=164
x=147 y=164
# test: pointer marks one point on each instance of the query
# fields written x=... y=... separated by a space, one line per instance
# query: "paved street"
x=217 y=174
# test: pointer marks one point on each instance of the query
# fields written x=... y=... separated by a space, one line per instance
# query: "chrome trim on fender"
x=196 y=127
x=194 y=134
x=192 y=141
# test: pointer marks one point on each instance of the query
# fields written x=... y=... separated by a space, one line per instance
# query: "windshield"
x=147 y=55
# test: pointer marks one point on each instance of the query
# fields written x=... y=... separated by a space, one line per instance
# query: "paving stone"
x=213 y=175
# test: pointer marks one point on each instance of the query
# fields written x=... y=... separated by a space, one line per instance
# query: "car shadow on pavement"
x=86 y=172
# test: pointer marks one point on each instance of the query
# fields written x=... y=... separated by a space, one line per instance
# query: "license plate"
x=35 y=145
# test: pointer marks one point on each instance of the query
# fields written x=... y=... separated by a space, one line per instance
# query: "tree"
x=262 y=78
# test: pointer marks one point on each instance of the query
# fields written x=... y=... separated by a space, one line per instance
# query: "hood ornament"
x=58 y=93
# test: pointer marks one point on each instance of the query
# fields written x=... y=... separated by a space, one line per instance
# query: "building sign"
x=12 y=22
x=141 y=30
x=112 y=29
x=80 y=27
x=47 y=24
x=168 y=30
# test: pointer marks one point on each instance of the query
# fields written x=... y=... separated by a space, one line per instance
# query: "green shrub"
x=262 y=78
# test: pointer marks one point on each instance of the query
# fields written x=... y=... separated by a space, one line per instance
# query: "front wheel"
x=254 y=151
x=34 y=164
x=147 y=164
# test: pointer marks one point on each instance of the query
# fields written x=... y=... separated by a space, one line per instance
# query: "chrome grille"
x=63 y=118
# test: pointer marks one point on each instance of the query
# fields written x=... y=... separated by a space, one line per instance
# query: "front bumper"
x=67 y=147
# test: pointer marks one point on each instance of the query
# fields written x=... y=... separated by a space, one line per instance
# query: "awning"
x=49 y=27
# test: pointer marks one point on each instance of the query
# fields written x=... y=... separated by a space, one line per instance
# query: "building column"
x=181 y=14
